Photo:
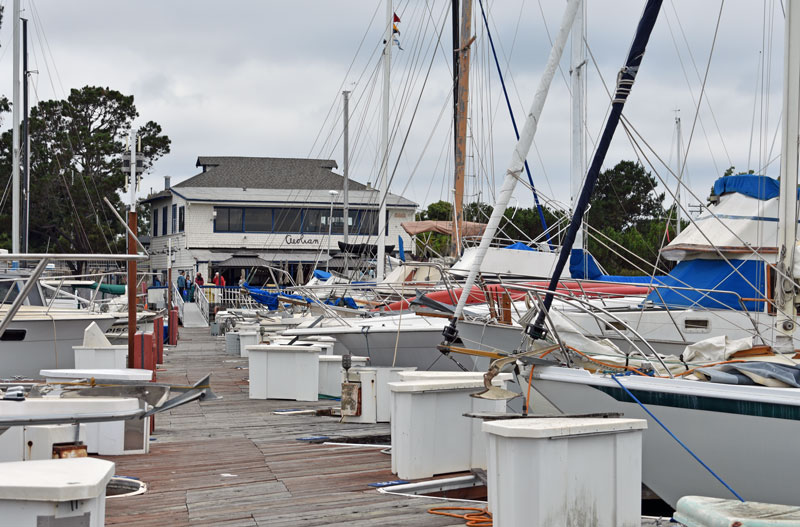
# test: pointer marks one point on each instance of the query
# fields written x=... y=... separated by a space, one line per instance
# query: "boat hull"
x=414 y=348
x=47 y=344
x=744 y=440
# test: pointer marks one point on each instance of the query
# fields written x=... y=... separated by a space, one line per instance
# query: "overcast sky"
x=264 y=78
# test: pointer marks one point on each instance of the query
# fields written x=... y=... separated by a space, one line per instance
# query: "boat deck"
x=235 y=463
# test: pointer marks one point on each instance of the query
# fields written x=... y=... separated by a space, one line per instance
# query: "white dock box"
x=562 y=471
x=110 y=438
x=232 y=343
x=247 y=338
x=331 y=373
x=430 y=434
x=55 y=492
x=107 y=357
x=284 y=372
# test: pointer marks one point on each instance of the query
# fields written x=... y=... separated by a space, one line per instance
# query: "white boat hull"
x=746 y=440
x=415 y=346
x=47 y=344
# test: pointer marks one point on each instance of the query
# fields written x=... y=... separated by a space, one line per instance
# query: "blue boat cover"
x=716 y=275
x=401 y=252
x=321 y=275
x=759 y=187
x=271 y=301
x=748 y=372
x=519 y=246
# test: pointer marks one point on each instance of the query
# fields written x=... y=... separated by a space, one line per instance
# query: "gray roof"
x=267 y=173
x=287 y=197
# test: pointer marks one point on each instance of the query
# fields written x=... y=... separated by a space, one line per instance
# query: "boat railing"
x=537 y=298
x=177 y=300
x=664 y=305
x=42 y=261
x=201 y=300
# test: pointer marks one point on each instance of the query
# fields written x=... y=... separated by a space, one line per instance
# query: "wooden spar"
x=518 y=157
x=461 y=123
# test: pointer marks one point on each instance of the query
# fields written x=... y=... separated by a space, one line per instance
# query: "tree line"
x=76 y=148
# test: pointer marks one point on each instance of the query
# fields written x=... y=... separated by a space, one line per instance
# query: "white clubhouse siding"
x=199 y=233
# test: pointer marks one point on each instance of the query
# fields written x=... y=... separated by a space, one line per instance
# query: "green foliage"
x=76 y=149
x=623 y=197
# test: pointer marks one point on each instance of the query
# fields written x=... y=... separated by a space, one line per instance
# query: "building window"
x=155 y=222
x=181 y=218
x=257 y=220
x=314 y=221
x=367 y=222
x=287 y=220
x=164 y=221
x=174 y=219
x=229 y=219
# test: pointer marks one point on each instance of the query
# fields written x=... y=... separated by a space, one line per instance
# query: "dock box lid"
x=560 y=427
x=55 y=479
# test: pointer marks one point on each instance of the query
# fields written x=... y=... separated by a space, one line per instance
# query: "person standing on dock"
x=182 y=285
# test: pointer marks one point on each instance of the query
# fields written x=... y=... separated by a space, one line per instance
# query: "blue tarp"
x=519 y=246
x=759 y=187
x=401 y=252
x=717 y=275
x=271 y=301
x=583 y=266
x=321 y=275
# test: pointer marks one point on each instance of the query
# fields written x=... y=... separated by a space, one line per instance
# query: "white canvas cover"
x=739 y=220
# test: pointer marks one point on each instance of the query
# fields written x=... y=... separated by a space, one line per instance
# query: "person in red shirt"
x=218 y=280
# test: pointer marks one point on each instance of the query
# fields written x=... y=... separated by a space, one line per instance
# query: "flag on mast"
x=396 y=31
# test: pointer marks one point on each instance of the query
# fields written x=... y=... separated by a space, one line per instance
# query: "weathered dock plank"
x=235 y=463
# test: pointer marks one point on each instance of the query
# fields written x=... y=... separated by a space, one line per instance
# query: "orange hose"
x=528 y=397
x=476 y=518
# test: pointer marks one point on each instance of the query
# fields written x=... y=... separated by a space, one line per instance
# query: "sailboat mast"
x=26 y=141
x=15 y=157
x=578 y=112
x=517 y=163
x=787 y=214
x=346 y=167
x=384 y=175
x=454 y=9
x=679 y=174
x=461 y=124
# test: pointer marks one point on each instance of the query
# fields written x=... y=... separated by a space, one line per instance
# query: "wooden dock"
x=235 y=463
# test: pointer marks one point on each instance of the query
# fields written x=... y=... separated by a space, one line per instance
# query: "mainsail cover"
x=468 y=228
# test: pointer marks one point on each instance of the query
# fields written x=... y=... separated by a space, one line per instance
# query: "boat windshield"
x=7 y=296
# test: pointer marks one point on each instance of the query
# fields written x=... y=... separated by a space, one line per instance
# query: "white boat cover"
x=737 y=219
x=715 y=349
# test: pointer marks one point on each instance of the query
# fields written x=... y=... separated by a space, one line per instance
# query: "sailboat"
x=741 y=432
